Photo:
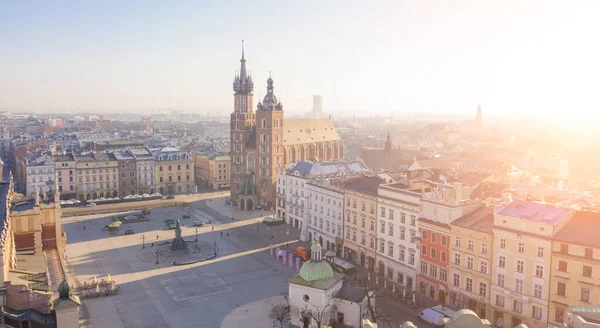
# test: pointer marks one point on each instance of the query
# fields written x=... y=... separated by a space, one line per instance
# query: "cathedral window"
x=263 y=123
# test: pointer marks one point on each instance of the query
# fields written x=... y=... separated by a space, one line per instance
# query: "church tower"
x=479 y=117
x=269 y=142
x=388 y=145
x=242 y=123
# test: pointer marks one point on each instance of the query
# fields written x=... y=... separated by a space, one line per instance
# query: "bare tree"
x=372 y=295
x=281 y=312
x=317 y=313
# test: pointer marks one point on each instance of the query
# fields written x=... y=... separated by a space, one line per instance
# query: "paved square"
x=196 y=295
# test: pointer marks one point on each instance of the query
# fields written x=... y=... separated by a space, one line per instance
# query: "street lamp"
x=215 y=248
x=157 y=256
x=196 y=234
x=143 y=241
x=257 y=225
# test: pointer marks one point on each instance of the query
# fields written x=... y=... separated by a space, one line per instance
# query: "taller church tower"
x=242 y=125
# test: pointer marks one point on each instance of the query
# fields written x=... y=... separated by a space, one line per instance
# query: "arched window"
x=263 y=123
x=237 y=126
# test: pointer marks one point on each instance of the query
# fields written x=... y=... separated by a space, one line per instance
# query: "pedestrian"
x=287 y=245
x=156 y=237
x=271 y=236
x=84 y=228
x=213 y=228
x=228 y=234
x=221 y=234
x=232 y=218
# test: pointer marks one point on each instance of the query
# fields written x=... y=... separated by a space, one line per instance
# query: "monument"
x=178 y=242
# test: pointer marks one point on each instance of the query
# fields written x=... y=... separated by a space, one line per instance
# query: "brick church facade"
x=262 y=141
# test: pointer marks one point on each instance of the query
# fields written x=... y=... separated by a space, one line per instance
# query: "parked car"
x=170 y=197
x=185 y=216
x=198 y=224
x=169 y=221
x=129 y=232
x=172 y=226
x=91 y=205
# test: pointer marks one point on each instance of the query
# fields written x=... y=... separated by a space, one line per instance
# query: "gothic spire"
x=243 y=82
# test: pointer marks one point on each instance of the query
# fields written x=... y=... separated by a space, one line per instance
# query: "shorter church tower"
x=269 y=141
x=388 y=145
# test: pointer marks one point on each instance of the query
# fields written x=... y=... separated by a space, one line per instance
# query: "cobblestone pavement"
x=163 y=295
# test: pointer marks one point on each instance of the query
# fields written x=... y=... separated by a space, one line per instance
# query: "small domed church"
x=318 y=292
x=263 y=140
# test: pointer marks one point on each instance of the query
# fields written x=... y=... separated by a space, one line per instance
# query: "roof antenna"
x=242 y=48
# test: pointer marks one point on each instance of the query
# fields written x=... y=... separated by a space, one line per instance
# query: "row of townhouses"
x=522 y=262
x=110 y=174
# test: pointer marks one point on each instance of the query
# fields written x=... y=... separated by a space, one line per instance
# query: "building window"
x=540 y=251
x=537 y=290
x=433 y=237
x=471 y=245
x=424 y=250
x=499 y=300
x=483 y=267
x=521 y=248
x=519 y=286
x=536 y=312
x=562 y=266
x=456 y=280
x=382 y=223
x=391 y=214
x=443 y=257
x=502 y=243
x=391 y=230
x=433 y=271
x=469 y=262
x=457 y=242
x=585 y=295
x=401 y=255
x=432 y=253
x=520 y=265
x=501 y=261
x=402 y=233
x=382 y=247
x=424 y=267
x=391 y=250
x=517 y=306
x=559 y=315
x=457 y=259
x=539 y=271
x=444 y=240
x=501 y=279
x=587 y=271
x=561 y=288
x=424 y=234
x=411 y=258
x=443 y=275
x=469 y=284
x=482 y=289
x=383 y=212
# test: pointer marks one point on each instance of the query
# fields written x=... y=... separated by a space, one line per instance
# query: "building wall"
x=40 y=176
x=201 y=169
x=66 y=173
x=146 y=182
x=477 y=299
x=360 y=228
x=175 y=176
x=219 y=173
x=397 y=213
x=296 y=207
x=127 y=177
x=433 y=283
x=97 y=179
x=568 y=261
x=325 y=210
x=317 y=297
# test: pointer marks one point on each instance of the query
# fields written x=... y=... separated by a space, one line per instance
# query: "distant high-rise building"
x=479 y=118
x=317 y=104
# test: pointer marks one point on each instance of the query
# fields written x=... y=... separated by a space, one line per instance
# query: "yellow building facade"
x=522 y=251
x=470 y=264
x=575 y=267
x=360 y=224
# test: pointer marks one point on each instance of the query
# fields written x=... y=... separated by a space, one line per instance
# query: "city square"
x=195 y=295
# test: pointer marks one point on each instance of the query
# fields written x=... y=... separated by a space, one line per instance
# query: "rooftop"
x=582 y=229
x=537 y=212
x=306 y=131
x=481 y=220
x=337 y=167
x=364 y=185
x=351 y=293
x=318 y=284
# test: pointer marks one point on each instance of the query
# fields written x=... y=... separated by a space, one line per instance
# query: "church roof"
x=339 y=167
x=324 y=284
x=306 y=131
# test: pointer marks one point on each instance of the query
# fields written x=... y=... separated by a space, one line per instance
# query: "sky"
x=515 y=58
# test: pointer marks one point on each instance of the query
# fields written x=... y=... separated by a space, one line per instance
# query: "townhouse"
x=174 y=171
x=522 y=252
x=66 y=175
x=398 y=206
x=97 y=176
x=470 y=272
x=127 y=172
x=144 y=163
x=575 y=268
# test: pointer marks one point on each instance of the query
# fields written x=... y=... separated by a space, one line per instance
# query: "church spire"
x=243 y=82
x=388 y=144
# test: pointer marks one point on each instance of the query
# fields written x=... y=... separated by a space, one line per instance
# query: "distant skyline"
x=532 y=58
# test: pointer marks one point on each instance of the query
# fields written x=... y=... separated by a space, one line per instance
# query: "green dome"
x=316 y=247
x=329 y=253
x=316 y=270
x=63 y=289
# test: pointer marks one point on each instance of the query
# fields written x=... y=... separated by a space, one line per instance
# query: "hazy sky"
x=513 y=57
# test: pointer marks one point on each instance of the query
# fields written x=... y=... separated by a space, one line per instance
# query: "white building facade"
x=396 y=205
x=40 y=170
x=325 y=208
